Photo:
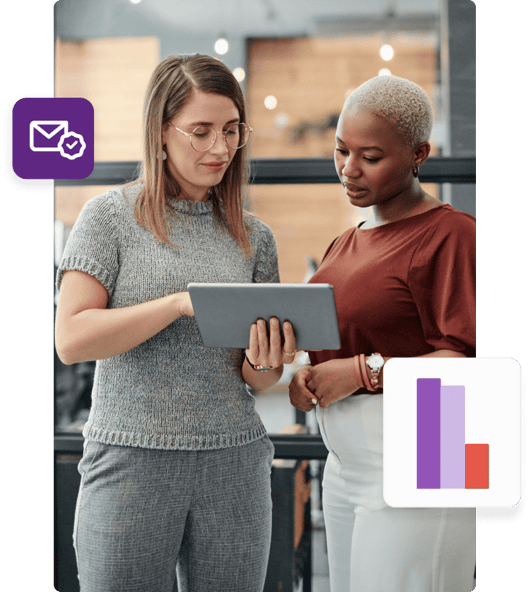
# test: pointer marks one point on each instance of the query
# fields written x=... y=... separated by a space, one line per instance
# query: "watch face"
x=375 y=362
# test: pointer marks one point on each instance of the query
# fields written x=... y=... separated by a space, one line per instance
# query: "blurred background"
x=296 y=61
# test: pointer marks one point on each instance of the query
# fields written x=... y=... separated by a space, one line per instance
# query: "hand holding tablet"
x=267 y=349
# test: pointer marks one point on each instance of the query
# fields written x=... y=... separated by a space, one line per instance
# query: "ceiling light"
x=386 y=52
x=221 y=46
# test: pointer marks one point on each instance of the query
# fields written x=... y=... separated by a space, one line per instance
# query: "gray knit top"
x=169 y=392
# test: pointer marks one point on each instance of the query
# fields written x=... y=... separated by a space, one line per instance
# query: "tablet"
x=225 y=312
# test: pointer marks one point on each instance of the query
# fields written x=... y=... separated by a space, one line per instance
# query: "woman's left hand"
x=267 y=349
x=332 y=381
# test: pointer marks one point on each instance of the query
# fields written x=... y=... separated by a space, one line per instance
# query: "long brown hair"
x=171 y=85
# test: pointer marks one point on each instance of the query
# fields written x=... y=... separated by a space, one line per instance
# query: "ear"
x=421 y=153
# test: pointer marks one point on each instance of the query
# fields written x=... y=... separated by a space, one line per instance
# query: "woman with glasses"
x=176 y=466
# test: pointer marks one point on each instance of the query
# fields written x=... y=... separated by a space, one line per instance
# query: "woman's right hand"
x=300 y=395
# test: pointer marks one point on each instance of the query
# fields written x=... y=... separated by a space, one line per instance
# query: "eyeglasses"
x=203 y=137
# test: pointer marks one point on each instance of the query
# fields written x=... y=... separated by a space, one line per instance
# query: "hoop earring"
x=415 y=171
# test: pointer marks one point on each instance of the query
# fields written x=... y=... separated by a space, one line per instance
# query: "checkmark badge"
x=72 y=146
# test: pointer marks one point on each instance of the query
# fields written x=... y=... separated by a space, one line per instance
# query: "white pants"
x=371 y=546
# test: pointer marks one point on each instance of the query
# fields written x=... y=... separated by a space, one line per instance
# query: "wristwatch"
x=376 y=363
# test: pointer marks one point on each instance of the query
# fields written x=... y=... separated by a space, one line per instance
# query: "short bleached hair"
x=401 y=101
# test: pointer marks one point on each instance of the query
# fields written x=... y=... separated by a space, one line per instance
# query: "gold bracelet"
x=259 y=368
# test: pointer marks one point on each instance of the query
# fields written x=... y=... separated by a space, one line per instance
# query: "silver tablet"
x=225 y=312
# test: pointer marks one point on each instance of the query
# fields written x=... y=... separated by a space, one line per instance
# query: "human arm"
x=85 y=329
x=266 y=349
x=334 y=380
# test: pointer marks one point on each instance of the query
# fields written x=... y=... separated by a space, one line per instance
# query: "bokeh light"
x=386 y=52
x=239 y=74
x=221 y=46
x=270 y=102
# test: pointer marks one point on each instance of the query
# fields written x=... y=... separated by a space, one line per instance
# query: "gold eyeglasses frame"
x=250 y=130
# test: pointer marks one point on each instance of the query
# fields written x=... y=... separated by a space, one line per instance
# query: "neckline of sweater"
x=190 y=206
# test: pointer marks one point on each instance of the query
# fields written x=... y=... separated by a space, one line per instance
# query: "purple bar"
x=453 y=437
x=428 y=433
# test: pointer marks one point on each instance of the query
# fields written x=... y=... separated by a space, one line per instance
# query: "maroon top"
x=406 y=288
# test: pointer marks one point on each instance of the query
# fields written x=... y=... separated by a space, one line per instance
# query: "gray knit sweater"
x=169 y=392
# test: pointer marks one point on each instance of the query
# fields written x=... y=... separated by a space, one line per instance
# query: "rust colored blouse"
x=406 y=288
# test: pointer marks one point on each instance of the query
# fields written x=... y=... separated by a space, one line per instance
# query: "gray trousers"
x=142 y=514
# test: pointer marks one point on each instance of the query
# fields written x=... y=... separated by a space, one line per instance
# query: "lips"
x=215 y=166
x=353 y=188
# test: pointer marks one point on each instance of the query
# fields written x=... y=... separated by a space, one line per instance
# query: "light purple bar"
x=428 y=433
x=452 y=437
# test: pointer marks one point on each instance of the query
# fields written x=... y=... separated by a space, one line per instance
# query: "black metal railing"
x=302 y=447
x=283 y=171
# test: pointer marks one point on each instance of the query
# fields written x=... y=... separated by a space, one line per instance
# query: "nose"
x=351 y=168
x=220 y=146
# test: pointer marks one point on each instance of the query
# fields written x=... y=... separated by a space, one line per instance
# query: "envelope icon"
x=44 y=135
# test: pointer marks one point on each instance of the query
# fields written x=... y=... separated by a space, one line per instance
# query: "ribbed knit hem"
x=173 y=441
x=89 y=266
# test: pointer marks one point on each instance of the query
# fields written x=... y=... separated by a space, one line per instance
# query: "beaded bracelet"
x=365 y=375
x=357 y=373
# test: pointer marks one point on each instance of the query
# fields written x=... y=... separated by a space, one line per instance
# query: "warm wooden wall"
x=311 y=78
x=113 y=75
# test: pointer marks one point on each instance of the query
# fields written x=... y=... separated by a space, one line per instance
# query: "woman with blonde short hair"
x=404 y=284
x=175 y=474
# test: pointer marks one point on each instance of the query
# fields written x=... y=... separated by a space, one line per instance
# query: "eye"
x=340 y=150
x=202 y=131
x=371 y=159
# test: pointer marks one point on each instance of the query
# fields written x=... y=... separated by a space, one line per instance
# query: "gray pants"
x=142 y=513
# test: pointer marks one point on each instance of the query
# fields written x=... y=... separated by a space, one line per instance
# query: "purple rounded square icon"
x=53 y=138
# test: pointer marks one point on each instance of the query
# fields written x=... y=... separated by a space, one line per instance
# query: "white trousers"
x=371 y=546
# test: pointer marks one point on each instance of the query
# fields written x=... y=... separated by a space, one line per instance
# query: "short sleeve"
x=266 y=269
x=92 y=245
x=442 y=279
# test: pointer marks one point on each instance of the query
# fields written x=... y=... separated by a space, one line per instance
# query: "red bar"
x=476 y=466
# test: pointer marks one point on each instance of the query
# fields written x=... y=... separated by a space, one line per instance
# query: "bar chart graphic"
x=444 y=459
x=451 y=432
